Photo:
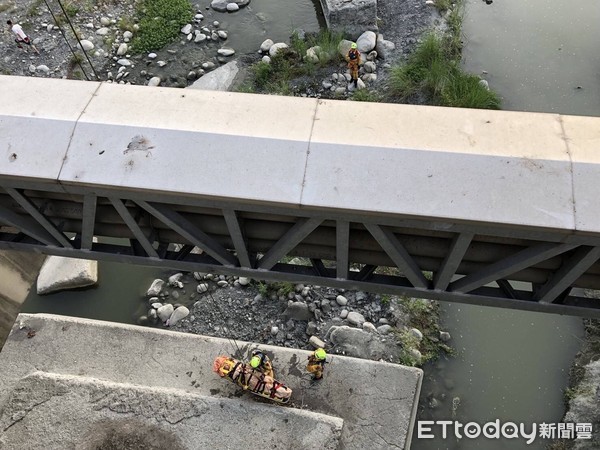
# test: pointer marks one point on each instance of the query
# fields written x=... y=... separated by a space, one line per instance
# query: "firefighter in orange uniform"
x=353 y=59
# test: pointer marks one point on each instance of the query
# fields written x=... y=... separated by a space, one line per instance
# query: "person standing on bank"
x=21 y=37
x=353 y=59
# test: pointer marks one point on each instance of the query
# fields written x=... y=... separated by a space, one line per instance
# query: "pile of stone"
x=352 y=323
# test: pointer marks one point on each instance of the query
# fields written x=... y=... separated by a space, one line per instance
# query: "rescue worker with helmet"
x=261 y=362
x=316 y=363
x=353 y=59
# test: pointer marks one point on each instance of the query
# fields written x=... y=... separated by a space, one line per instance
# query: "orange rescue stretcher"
x=251 y=379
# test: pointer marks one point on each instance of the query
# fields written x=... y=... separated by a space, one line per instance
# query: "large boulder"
x=350 y=16
x=59 y=273
x=221 y=79
x=276 y=47
x=384 y=48
x=366 y=42
x=359 y=343
x=298 y=311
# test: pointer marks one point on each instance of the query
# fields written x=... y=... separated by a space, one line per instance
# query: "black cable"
x=76 y=58
x=78 y=40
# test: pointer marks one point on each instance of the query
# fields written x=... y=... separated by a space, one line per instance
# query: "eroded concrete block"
x=52 y=411
x=360 y=392
x=59 y=273
x=352 y=17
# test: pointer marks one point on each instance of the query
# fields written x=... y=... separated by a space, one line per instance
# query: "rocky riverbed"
x=106 y=29
x=352 y=323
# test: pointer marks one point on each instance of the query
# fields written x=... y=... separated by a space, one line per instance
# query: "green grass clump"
x=433 y=70
x=160 y=22
x=290 y=63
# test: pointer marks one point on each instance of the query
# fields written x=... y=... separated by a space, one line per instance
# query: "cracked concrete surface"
x=62 y=411
x=163 y=379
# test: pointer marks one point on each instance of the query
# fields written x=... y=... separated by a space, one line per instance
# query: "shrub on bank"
x=433 y=70
x=160 y=22
x=290 y=63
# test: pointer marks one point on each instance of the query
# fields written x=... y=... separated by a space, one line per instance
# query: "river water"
x=511 y=365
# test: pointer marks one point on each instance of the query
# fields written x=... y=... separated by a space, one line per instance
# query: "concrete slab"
x=376 y=400
x=583 y=134
x=220 y=79
x=351 y=17
x=36 y=124
x=59 y=273
x=185 y=143
x=440 y=162
x=51 y=411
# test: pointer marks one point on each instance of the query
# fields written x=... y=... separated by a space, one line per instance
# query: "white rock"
x=341 y=300
x=312 y=54
x=316 y=342
x=274 y=331
x=174 y=279
x=127 y=35
x=266 y=59
x=384 y=329
x=416 y=354
x=32 y=68
x=222 y=34
x=50 y=27
x=366 y=42
x=152 y=55
x=89 y=25
x=165 y=311
x=201 y=288
x=156 y=305
x=384 y=48
x=266 y=45
x=186 y=28
x=124 y=62
x=222 y=283
x=356 y=318
x=179 y=313
x=198 y=17
x=208 y=65
x=416 y=333
x=232 y=7
x=370 y=67
x=161 y=63
x=368 y=326
x=344 y=313
x=155 y=288
x=444 y=336
x=59 y=273
x=216 y=24
x=102 y=31
x=361 y=84
x=219 y=79
x=122 y=50
x=104 y=21
x=276 y=47
x=485 y=84
x=200 y=37
x=225 y=51
x=243 y=281
x=43 y=68
x=86 y=45
x=189 y=37
x=344 y=47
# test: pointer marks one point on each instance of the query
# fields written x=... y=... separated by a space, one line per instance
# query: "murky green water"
x=512 y=365
x=537 y=53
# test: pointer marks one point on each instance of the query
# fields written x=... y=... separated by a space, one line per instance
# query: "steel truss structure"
x=484 y=264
